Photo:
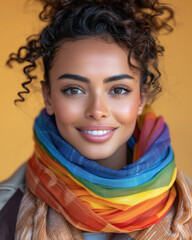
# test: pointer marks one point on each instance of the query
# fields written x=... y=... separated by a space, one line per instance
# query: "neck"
x=118 y=160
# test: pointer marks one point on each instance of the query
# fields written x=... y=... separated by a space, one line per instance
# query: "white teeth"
x=97 y=132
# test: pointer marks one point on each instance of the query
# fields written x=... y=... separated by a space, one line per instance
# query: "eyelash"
x=124 y=88
x=65 y=91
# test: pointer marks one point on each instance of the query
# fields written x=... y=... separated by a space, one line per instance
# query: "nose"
x=97 y=108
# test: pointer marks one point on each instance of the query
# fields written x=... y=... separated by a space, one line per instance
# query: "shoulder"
x=184 y=183
x=188 y=180
x=9 y=187
x=11 y=193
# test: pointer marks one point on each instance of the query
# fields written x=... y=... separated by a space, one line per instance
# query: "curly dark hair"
x=133 y=23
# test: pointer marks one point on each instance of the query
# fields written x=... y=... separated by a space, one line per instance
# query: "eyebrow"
x=86 y=80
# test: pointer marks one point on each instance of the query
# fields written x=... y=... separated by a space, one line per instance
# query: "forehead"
x=92 y=55
x=93 y=44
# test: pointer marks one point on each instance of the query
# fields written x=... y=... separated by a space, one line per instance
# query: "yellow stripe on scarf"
x=134 y=199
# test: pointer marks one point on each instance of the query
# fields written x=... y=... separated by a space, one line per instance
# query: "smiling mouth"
x=97 y=134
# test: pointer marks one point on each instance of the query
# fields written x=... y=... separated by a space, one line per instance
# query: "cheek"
x=127 y=116
x=127 y=111
x=66 y=112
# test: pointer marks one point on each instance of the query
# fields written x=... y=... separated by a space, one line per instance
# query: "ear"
x=143 y=98
x=47 y=97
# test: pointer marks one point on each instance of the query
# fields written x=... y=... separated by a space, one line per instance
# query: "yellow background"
x=18 y=19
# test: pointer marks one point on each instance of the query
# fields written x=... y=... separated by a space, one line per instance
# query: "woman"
x=102 y=167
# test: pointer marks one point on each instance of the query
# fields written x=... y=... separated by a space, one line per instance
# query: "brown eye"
x=120 y=91
x=72 y=91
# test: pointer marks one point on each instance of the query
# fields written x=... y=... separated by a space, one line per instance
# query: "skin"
x=78 y=104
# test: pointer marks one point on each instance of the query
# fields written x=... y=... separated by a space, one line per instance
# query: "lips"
x=96 y=128
x=97 y=134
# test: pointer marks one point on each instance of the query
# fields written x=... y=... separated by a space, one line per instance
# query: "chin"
x=97 y=155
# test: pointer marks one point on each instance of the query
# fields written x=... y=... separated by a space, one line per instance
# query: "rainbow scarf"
x=98 y=199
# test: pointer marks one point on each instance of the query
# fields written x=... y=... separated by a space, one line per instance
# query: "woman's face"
x=94 y=95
